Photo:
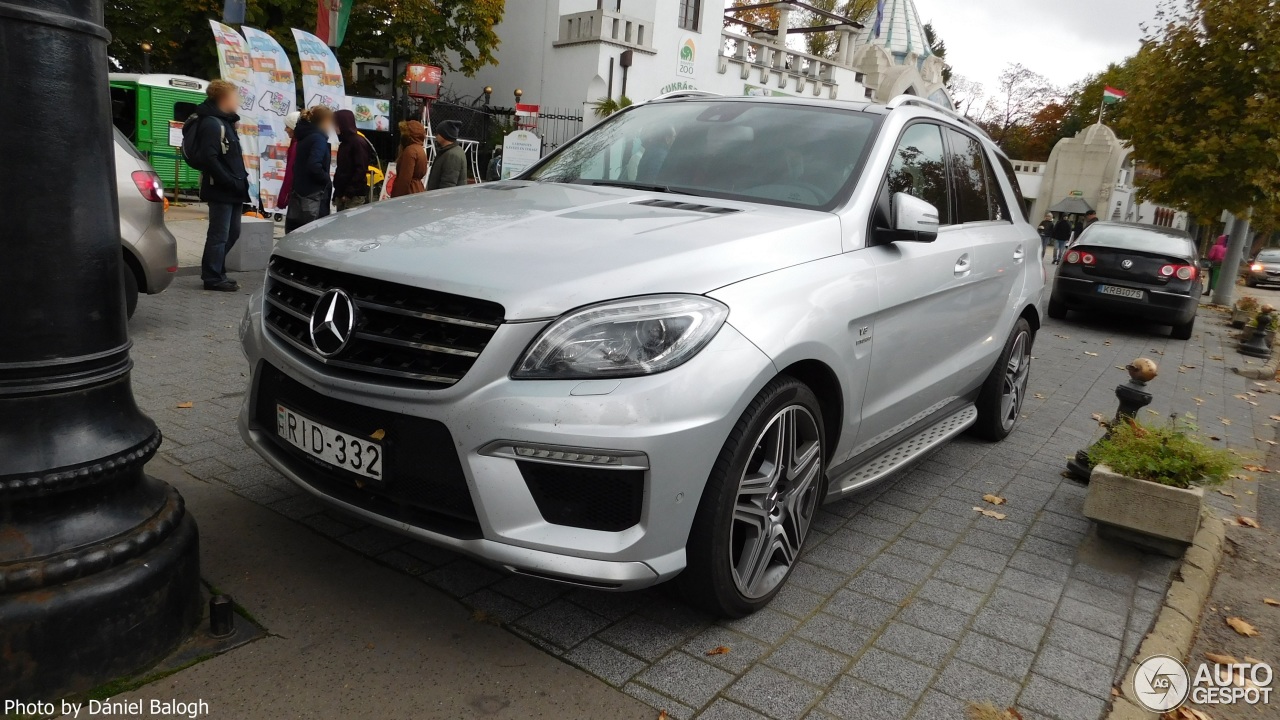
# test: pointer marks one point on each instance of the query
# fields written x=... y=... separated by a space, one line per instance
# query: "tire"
x=1183 y=331
x=130 y=291
x=1000 y=400
x=719 y=576
x=1057 y=309
x=1250 y=282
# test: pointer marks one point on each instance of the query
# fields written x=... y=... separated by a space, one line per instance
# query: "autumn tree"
x=419 y=30
x=1204 y=107
x=1021 y=93
x=1085 y=97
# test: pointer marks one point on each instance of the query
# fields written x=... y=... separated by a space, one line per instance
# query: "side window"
x=969 y=172
x=1007 y=167
x=919 y=168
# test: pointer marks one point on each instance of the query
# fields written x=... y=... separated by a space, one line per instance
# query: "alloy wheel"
x=776 y=501
x=1014 y=387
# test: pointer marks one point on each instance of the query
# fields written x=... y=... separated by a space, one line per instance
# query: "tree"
x=1204 y=108
x=1021 y=94
x=1085 y=97
x=825 y=44
x=420 y=30
x=1044 y=131
x=938 y=47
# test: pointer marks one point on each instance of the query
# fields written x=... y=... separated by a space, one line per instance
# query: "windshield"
x=775 y=153
x=1270 y=256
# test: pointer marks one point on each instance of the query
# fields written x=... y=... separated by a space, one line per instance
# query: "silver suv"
x=657 y=351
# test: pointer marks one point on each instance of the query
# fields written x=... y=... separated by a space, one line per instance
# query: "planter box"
x=1240 y=317
x=1154 y=516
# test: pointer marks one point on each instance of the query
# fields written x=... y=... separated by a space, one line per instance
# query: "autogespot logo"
x=1161 y=683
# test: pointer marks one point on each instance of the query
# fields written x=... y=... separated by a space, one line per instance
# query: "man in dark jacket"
x=351 y=174
x=450 y=166
x=1061 y=236
x=1045 y=228
x=224 y=182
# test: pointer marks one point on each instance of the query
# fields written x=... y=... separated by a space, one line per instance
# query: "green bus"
x=143 y=108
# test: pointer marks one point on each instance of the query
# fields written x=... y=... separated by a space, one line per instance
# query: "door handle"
x=962 y=265
x=1018 y=254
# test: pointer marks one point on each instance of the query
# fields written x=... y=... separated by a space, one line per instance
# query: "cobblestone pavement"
x=908 y=603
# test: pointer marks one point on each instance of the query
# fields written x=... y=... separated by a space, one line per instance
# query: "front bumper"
x=677 y=421
x=1157 y=306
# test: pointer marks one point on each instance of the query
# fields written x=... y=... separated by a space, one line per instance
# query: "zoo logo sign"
x=688 y=52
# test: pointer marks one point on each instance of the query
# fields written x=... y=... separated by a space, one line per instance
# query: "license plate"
x=1120 y=291
x=335 y=448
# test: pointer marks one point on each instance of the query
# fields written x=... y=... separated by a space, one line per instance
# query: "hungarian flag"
x=1111 y=95
x=331 y=20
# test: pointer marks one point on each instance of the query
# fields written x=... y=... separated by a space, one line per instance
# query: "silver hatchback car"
x=150 y=250
x=656 y=352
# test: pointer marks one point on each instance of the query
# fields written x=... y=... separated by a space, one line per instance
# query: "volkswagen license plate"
x=1120 y=291
x=335 y=448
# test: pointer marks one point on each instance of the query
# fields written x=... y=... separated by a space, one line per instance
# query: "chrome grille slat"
x=401 y=332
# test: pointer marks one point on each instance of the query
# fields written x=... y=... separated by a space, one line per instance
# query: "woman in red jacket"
x=286 y=185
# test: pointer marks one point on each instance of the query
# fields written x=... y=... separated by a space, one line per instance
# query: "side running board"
x=898 y=456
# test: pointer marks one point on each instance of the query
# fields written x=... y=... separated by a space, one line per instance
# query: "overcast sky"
x=1064 y=40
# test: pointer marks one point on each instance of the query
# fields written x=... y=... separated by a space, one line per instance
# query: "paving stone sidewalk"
x=907 y=603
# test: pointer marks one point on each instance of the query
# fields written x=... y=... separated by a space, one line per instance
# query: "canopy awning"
x=1072 y=206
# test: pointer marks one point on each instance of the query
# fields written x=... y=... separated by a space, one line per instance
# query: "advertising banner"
x=371 y=113
x=322 y=82
x=276 y=98
x=520 y=149
x=236 y=67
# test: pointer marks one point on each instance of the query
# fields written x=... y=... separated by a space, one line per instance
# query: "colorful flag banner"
x=1111 y=95
x=276 y=98
x=236 y=67
x=332 y=17
x=322 y=82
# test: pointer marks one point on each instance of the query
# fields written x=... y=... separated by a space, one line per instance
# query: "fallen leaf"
x=1242 y=627
x=1039 y=396
x=1220 y=659
x=368 y=646
x=1098 y=418
x=1064 y=337
x=1225 y=421
x=1252 y=660
x=186 y=405
x=1275 y=417
x=718 y=650
x=1186 y=713
x=378 y=434
x=1199 y=401
x=1271 y=601
x=993 y=499
x=1215 y=357
x=991 y=513
x=662 y=715
x=1246 y=521
x=1255 y=468
x=1241 y=397
x=1227 y=493
x=1090 y=354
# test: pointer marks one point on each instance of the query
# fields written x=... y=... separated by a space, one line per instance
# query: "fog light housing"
x=564 y=455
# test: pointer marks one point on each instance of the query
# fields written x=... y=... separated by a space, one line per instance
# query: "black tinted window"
x=919 y=168
x=969 y=172
x=1012 y=177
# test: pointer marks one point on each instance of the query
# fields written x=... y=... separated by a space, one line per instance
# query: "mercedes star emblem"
x=1126 y=264
x=333 y=322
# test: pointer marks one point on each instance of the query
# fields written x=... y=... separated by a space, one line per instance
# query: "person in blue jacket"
x=312 y=184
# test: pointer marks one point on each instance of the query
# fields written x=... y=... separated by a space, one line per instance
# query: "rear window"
x=1127 y=237
x=777 y=153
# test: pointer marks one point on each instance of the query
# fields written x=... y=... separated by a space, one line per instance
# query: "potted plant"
x=1147 y=485
x=1243 y=310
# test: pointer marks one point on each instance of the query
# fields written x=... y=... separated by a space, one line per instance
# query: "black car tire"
x=130 y=290
x=990 y=424
x=1183 y=331
x=708 y=580
x=1250 y=282
x=1057 y=309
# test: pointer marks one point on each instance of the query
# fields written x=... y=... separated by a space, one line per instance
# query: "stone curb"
x=1179 y=616
x=1266 y=372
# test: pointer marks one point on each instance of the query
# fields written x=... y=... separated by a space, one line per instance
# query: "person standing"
x=1090 y=218
x=450 y=166
x=1045 y=228
x=1077 y=229
x=1061 y=236
x=1216 y=255
x=309 y=197
x=351 y=175
x=411 y=165
x=286 y=185
x=224 y=181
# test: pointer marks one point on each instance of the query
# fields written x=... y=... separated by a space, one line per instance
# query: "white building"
x=567 y=54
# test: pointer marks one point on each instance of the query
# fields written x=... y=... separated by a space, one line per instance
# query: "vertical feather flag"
x=331 y=20
x=875 y=32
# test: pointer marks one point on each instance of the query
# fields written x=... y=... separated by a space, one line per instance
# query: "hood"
x=412 y=132
x=208 y=109
x=539 y=249
x=344 y=121
x=304 y=130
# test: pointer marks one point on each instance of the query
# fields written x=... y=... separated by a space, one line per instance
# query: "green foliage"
x=418 y=30
x=1168 y=455
x=1204 y=107
x=938 y=47
x=606 y=106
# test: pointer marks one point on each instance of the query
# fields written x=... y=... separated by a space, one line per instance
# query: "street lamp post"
x=99 y=563
x=146 y=58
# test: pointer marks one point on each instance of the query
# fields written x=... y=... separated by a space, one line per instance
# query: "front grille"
x=402 y=333
x=423 y=482
x=585 y=497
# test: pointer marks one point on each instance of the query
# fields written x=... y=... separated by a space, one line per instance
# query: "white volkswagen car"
x=657 y=351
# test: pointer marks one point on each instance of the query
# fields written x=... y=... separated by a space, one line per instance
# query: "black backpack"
x=190 y=139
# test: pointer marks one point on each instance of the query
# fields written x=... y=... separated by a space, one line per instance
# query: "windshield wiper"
x=644 y=186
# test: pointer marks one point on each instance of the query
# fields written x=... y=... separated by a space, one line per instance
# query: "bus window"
x=124 y=112
x=183 y=110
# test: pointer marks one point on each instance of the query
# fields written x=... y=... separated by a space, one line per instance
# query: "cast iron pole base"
x=1133 y=396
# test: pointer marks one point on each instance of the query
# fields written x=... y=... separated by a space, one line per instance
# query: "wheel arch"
x=825 y=384
x=1032 y=316
x=134 y=265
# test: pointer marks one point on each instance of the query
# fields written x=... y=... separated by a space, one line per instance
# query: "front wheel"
x=1001 y=397
x=758 y=504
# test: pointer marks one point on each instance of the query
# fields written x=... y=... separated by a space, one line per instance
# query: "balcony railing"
x=784 y=68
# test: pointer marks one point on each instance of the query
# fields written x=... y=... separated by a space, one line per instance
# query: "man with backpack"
x=210 y=144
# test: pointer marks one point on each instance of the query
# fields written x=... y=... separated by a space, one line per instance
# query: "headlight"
x=623 y=338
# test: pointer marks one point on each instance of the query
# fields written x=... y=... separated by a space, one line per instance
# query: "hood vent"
x=692 y=207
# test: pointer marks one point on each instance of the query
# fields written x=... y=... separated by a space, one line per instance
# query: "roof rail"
x=684 y=94
x=949 y=112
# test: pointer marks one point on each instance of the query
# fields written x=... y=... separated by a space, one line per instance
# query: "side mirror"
x=914 y=220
